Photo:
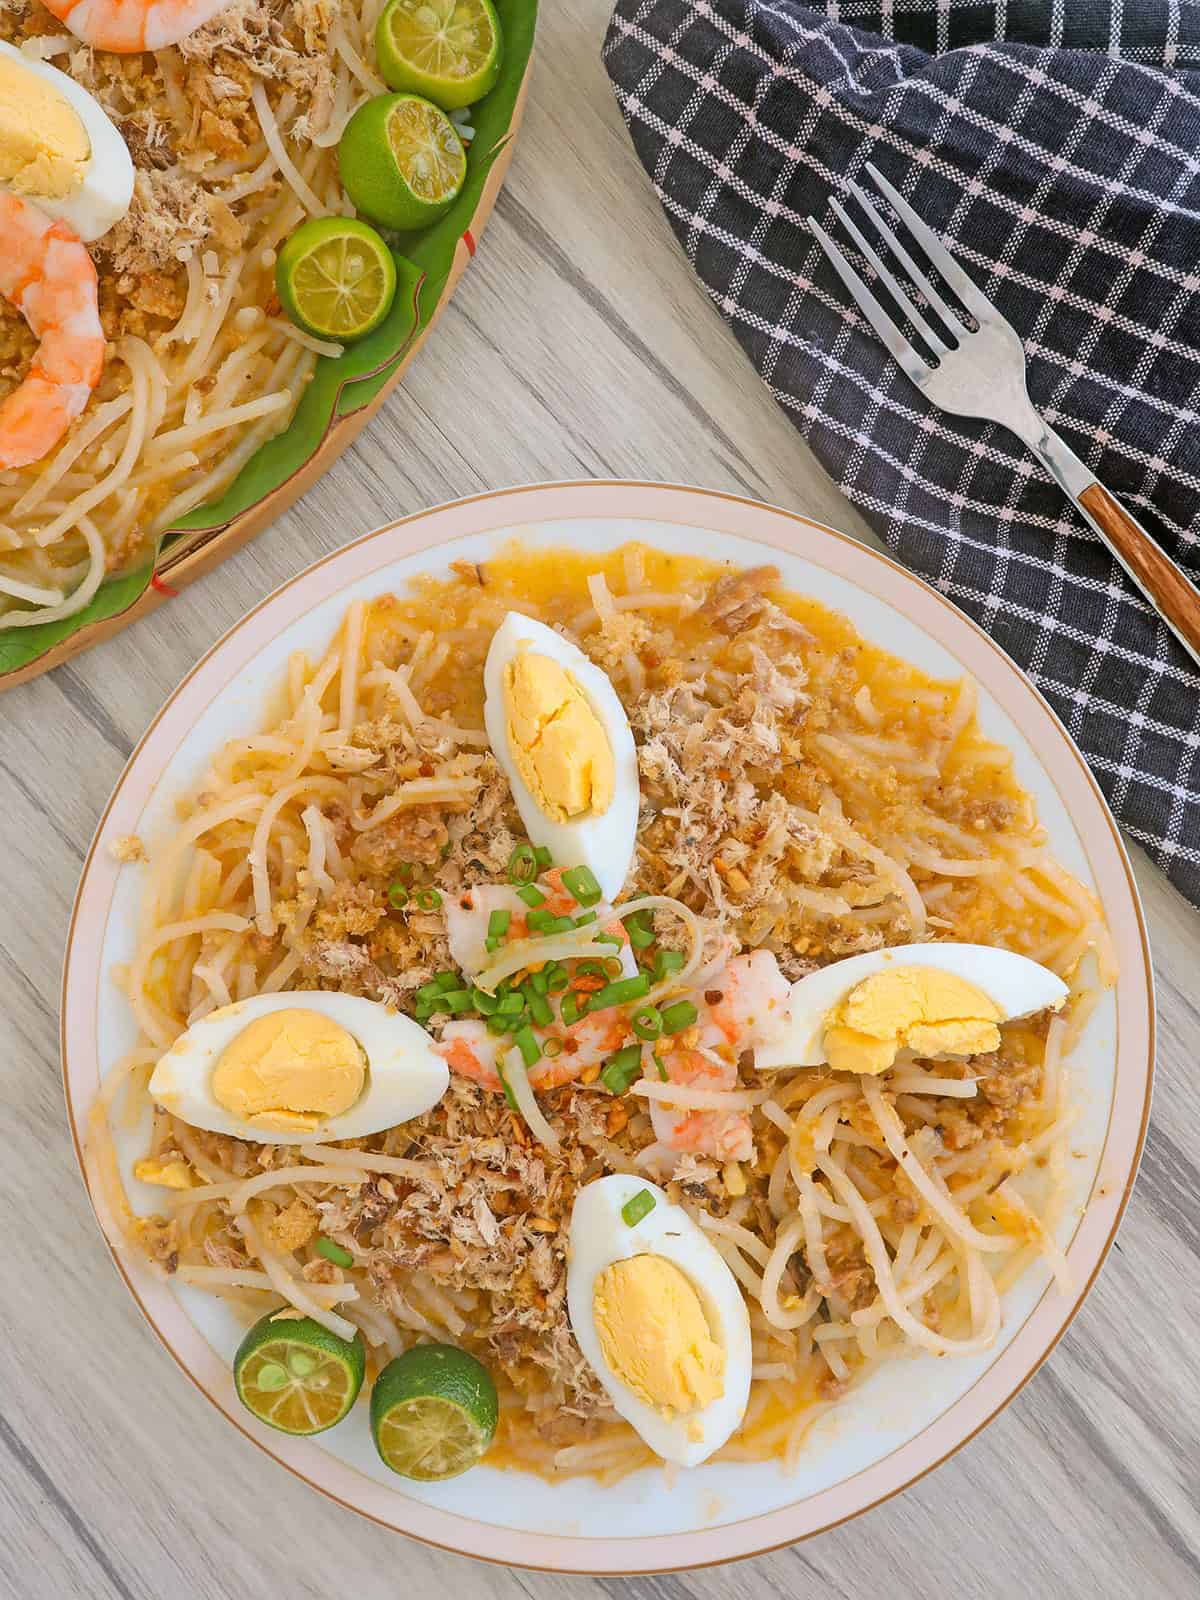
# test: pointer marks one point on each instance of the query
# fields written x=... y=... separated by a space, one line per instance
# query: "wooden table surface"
x=579 y=345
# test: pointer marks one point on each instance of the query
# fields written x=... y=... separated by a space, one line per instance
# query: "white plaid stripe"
x=1069 y=181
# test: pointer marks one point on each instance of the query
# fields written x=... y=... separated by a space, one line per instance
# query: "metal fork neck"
x=1055 y=454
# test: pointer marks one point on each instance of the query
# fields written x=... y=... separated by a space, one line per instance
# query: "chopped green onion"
x=552 y=1047
x=677 y=1017
x=454 y=1000
x=570 y=1009
x=510 y=1004
x=667 y=961
x=508 y=1094
x=485 y=1004
x=531 y=894
x=639 y=930
x=662 y=1068
x=541 y=921
x=491 y=944
x=558 y=980
x=522 y=865
x=498 y=924
x=621 y=992
x=503 y=987
x=539 y=1009
x=438 y=985
x=423 y=1013
x=498 y=1025
x=397 y=895
x=613 y=967
x=542 y=856
x=530 y=1049
x=405 y=872
x=333 y=1252
x=428 y=899
x=636 y=1207
x=538 y=981
x=585 y=919
x=622 y=1068
x=609 y=938
x=647 y=1022
x=591 y=968
x=581 y=882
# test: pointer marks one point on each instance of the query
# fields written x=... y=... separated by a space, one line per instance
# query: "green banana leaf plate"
x=342 y=397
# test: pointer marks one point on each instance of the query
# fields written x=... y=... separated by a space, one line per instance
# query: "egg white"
x=404 y=1076
x=604 y=843
x=1016 y=985
x=600 y=1236
x=107 y=187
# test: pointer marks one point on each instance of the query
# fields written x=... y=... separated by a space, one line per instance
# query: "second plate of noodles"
x=160 y=393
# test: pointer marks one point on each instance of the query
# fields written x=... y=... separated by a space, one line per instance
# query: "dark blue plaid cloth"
x=1061 y=157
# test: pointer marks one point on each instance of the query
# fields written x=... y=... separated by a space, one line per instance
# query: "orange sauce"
x=855 y=691
x=910 y=706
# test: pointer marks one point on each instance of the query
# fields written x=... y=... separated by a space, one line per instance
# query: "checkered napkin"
x=1059 y=154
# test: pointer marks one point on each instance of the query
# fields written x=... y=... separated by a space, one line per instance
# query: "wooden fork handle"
x=1175 y=599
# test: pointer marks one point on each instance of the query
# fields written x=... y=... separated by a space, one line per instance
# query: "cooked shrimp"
x=560 y=899
x=128 y=26
x=553 y=1073
x=471 y=1051
x=47 y=274
x=468 y=915
x=724 y=1134
x=737 y=1008
x=590 y=1040
x=746 y=1002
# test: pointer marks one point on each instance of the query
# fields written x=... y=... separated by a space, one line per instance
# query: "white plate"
x=911 y=1414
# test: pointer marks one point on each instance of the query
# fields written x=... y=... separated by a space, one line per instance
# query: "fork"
x=981 y=373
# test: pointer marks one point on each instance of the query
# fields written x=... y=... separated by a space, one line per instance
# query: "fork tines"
x=884 y=324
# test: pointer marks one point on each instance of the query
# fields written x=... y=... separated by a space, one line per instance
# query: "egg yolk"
x=166 y=1174
x=290 y=1071
x=44 y=146
x=558 y=742
x=918 y=1008
x=655 y=1336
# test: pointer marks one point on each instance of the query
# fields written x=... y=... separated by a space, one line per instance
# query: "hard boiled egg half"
x=287 y=1068
x=58 y=148
x=563 y=739
x=933 y=999
x=659 y=1317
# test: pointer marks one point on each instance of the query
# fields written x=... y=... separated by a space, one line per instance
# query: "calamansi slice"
x=433 y=1412
x=447 y=50
x=401 y=161
x=298 y=1376
x=336 y=278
